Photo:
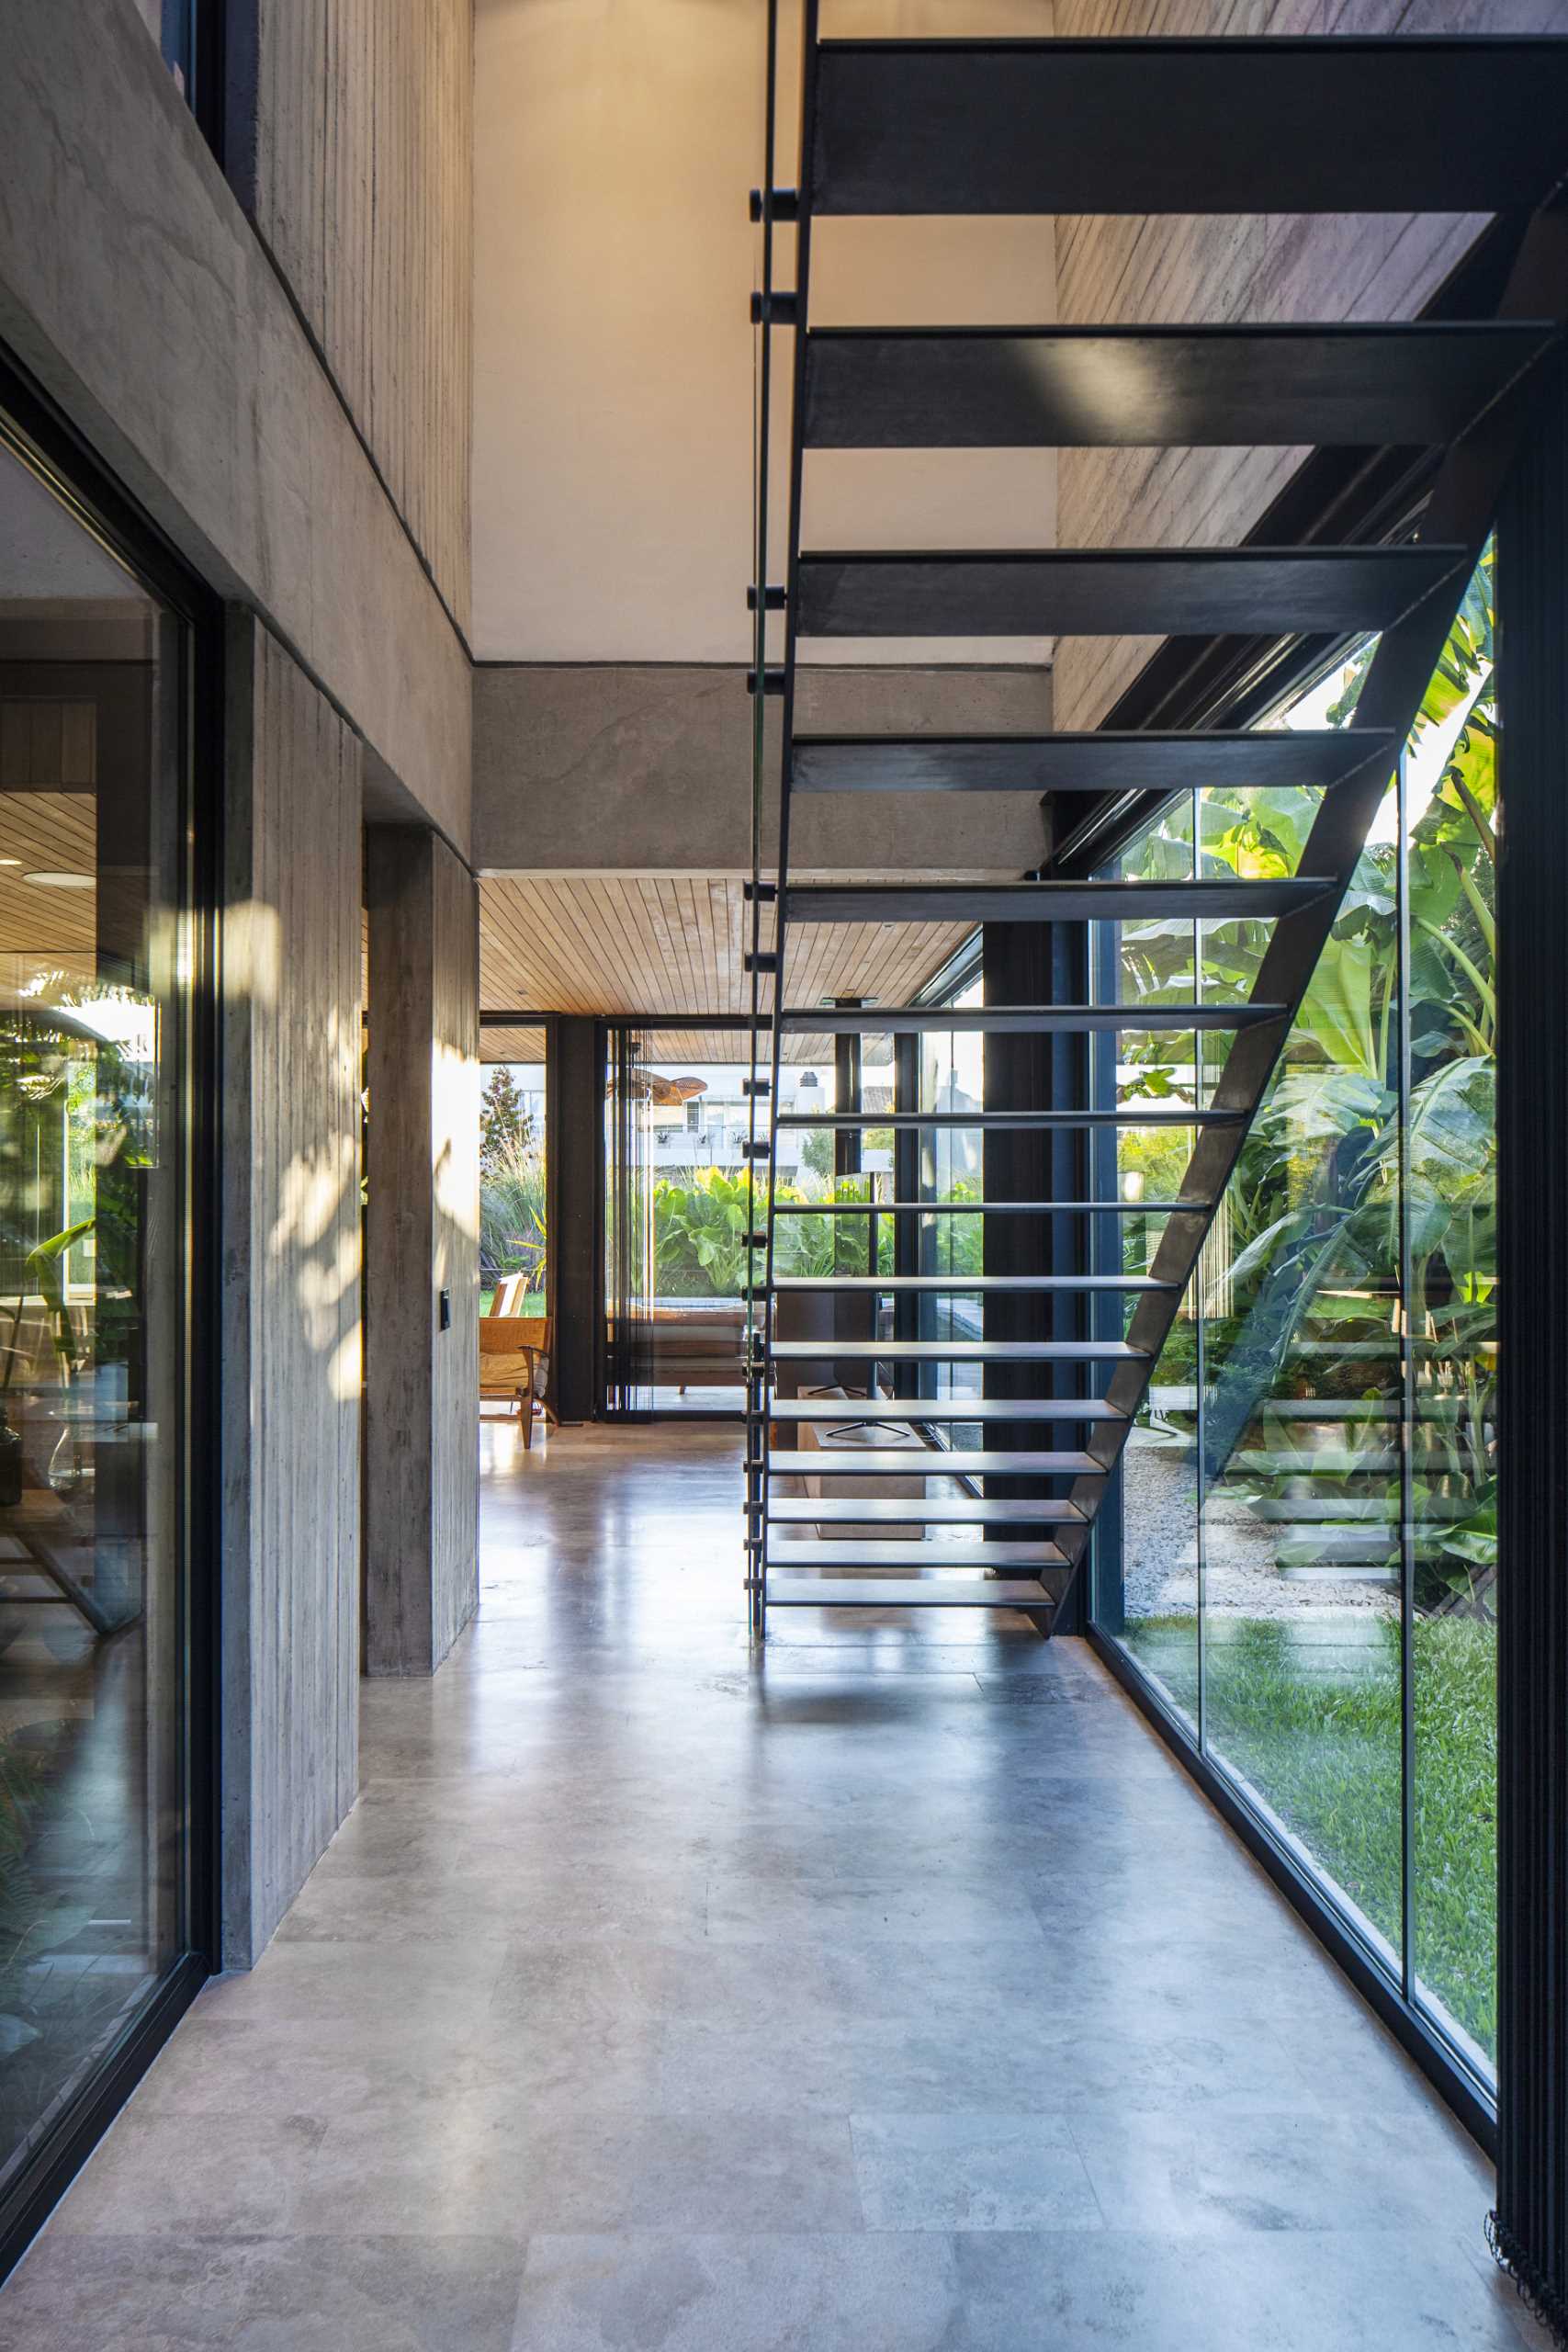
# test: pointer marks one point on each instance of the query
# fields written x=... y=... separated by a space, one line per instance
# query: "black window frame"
x=35 y=430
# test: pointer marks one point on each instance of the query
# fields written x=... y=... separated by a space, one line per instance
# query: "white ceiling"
x=615 y=141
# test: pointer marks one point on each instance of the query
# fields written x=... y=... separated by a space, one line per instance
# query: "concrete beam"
x=646 y=767
x=134 y=288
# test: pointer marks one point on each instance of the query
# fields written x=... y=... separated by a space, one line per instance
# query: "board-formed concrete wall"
x=134 y=288
x=291 y=1272
x=646 y=767
x=1282 y=268
x=350 y=143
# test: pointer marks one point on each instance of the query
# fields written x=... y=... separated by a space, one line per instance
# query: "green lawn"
x=1312 y=1720
x=534 y=1304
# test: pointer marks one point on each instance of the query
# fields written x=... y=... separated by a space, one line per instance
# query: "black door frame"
x=34 y=430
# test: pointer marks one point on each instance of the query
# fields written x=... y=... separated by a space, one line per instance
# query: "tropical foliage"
x=1346 y=1222
x=512 y=1232
x=506 y=1123
x=700 y=1226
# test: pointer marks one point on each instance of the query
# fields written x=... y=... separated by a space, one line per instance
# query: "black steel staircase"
x=1129 y=126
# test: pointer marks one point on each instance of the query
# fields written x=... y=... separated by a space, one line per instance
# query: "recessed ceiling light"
x=10 y=861
x=50 y=881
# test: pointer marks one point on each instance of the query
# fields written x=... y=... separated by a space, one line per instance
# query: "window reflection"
x=90 y=1282
x=1312 y=1487
x=1148 y=1578
x=951 y=1172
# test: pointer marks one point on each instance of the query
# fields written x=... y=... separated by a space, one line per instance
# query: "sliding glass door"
x=99 y=1780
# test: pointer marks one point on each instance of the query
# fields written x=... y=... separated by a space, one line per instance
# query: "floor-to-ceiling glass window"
x=513 y=1217
x=1305 y=1556
x=1303 y=1376
x=96 y=953
x=677 y=1208
x=950 y=1174
x=1450 y=840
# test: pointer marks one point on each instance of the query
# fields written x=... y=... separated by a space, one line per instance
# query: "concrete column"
x=422 y=1252
x=290 y=1304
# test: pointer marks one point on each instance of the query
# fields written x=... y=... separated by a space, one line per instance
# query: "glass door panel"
x=678 y=1122
x=951 y=1235
x=514 y=1219
x=629 y=1282
x=93 y=970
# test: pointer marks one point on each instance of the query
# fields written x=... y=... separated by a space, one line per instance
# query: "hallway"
x=896 y=1994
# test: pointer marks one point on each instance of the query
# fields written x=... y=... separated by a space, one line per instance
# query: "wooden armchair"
x=515 y=1363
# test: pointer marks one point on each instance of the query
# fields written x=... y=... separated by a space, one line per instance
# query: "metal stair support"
x=1141 y=126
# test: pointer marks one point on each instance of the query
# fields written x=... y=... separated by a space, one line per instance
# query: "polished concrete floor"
x=896 y=1993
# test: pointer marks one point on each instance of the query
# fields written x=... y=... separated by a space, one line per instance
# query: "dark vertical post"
x=846 y=1097
x=854 y=1318
x=1531 y=2218
x=575 y=1177
x=1032 y=964
x=1104 y=1254
x=905 y=1222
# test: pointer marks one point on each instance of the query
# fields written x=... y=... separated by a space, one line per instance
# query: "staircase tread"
x=915 y=1511
x=929 y=1461
x=1400 y=384
x=1133 y=1113
x=1230 y=900
x=786 y=1591
x=990 y=1208
x=956 y=1351
x=1003 y=1020
x=861 y=1284
x=1116 y=592
x=1469 y=123
x=1102 y=761
x=847 y=1411
x=940 y=1557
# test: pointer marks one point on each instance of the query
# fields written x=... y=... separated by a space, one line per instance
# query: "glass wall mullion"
x=1407 y=1413
x=1199 y=1316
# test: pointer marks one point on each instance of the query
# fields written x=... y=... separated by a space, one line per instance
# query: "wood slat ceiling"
x=53 y=832
x=674 y=943
x=512 y=1044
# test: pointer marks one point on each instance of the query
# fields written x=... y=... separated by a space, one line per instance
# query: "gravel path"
x=1240 y=1576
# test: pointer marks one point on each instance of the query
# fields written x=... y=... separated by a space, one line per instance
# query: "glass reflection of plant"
x=77 y=1138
